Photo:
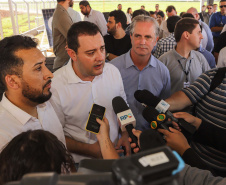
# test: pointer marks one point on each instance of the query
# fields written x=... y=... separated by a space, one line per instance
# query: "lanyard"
x=185 y=72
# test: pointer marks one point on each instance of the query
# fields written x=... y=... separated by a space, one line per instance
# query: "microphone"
x=147 y=98
x=156 y=120
x=125 y=117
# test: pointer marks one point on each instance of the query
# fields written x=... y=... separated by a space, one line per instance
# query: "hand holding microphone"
x=125 y=117
x=147 y=98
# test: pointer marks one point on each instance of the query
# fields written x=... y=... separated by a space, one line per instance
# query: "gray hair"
x=144 y=18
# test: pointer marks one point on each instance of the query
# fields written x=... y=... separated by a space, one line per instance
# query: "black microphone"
x=156 y=120
x=125 y=117
x=147 y=98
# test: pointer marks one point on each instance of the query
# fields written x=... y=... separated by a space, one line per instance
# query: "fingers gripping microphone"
x=125 y=117
x=155 y=119
x=147 y=98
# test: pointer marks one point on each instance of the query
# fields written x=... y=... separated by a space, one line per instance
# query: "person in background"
x=93 y=16
x=119 y=6
x=75 y=16
x=207 y=15
x=142 y=7
x=129 y=15
x=153 y=15
x=117 y=42
x=215 y=6
x=60 y=26
x=160 y=17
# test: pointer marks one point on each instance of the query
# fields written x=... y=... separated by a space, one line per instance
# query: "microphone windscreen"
x=119 y=104
x=150 y=114
x=150 y=139
x=146 y=97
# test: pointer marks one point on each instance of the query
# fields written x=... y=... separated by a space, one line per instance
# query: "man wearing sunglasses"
x=207 y=15
x=218 y=20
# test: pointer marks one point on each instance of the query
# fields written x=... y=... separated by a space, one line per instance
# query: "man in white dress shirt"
x=86 y=80
x=93 y=16
x=27 y=83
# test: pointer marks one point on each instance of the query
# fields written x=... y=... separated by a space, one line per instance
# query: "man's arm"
x=178 y=101
x=91 y=150
x=101 y=23
x=216 y=29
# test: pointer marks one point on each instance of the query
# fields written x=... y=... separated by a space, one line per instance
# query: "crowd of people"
x=178 y=59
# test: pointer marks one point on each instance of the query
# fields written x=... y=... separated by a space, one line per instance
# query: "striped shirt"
x=210 y=107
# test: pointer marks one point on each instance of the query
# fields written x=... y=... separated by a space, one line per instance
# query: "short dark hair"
x=78 y=29
x=60 y=1
x=170 y=8
x=222 y=1
x=9 y=62
x=171 y=23
x=119 y=16
x=210 y=5
x=187 y=15
x=151 y=12
x=128 y=9
x=142 y=6
x=84 y=3
x=119 y=4
x=186 y=24
x=161 y=13
x=33 y=151
x=140 y=12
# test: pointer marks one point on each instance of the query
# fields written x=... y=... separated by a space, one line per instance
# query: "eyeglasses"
x=223 y=6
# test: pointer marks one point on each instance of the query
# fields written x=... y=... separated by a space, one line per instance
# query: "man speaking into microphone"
x=140 y=69
x=84 y=81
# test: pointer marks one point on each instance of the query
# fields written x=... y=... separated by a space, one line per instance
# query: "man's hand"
x=124 y=141
x=175 y=140
x=187 y=117
x=104 y=129
x=137 y=133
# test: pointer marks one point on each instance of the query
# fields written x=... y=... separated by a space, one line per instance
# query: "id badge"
x=186 y=84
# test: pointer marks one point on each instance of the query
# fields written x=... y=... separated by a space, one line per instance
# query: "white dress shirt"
x=75 y=16
x=97 y=18
x=73 y=98
x=14 y=121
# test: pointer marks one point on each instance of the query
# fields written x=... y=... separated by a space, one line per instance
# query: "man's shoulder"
x=119 y=61
x=167 y=55
x=60 y=76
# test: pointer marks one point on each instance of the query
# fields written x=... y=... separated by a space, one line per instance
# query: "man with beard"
x=86 y=80
x=184 y=64
x=117 y=42
x=93 y=16
x=27 y=83
x=60 y=26
x=75 y=16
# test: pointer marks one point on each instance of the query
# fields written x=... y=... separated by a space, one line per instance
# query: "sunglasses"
x=223 y=6
x=209 y=8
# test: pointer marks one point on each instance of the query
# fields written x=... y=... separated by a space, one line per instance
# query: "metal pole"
x=12 y=16
x=17 y=25
x=1 y=29
x=28 y=15
x=43 y=4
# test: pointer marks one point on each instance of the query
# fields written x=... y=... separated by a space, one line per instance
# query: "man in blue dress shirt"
x=140 y=69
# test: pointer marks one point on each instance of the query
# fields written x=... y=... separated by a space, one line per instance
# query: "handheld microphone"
x=125 y=117
x=147 y=98
x=155 y=119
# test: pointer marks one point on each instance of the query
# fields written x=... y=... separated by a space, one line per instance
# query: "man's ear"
x=186 y=35
x=72 y=54
x=119 y=25
x=12 y=81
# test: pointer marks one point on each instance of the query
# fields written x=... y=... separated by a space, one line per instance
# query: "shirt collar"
x=179 y=57
x=73 y=78
x=22 y=116
x=90 y=13
x=129 y=61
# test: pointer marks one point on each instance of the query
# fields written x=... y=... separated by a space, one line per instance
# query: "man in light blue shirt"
x=139 y=69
